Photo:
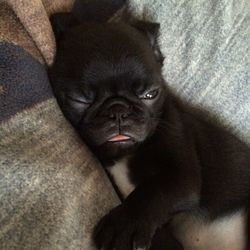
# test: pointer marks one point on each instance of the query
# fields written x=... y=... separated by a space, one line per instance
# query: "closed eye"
x=80 y=100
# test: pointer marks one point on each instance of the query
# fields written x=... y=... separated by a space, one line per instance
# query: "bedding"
x=206 y=45
x=52 y=189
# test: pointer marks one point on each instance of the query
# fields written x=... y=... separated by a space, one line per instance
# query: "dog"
x=184 y=182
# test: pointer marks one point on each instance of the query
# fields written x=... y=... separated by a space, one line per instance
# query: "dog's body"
x=193 y=230
x=170 y=167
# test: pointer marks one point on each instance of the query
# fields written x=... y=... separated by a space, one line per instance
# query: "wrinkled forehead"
x=96 y=56
x=89 y=45
x=126 y=74
x=98 y=71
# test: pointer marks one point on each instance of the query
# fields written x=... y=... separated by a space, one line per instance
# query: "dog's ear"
x=151 y=31
x=61 y=22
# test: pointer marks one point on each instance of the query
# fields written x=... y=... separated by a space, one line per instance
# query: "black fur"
x=179 y=162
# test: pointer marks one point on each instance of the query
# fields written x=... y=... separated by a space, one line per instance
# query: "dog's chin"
x=112 y=150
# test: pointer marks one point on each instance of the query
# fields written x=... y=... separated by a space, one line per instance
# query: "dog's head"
x=107 y=80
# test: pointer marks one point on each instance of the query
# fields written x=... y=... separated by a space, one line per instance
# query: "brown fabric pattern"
x=34 y=18
x=12 y=31
x=56 y=6
x=26 y=23
x=52 y=189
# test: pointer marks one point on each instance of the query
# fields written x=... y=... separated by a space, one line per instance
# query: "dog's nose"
x=117 y=114
x=118 y=109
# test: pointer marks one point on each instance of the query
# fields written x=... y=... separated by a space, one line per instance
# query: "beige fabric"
x=31 y=19
x=53 y=191
x=12 y=31
x=35 y=21
x=54 y=6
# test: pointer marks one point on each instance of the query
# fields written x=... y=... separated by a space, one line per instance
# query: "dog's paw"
x=122 y=230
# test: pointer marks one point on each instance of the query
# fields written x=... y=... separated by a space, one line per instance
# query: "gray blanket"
x=206 y=44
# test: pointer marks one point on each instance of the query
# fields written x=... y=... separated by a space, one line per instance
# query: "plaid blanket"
x=52 y=189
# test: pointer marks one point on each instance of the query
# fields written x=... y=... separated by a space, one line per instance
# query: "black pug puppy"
x=173 y=170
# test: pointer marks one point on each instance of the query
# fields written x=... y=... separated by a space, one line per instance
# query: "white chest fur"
x=119 y=172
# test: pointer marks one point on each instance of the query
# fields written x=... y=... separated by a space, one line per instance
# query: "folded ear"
x=61 y=22
x=151 y=31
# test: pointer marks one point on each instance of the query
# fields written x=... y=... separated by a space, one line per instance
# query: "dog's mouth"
x=115 y=146
x=120 y=138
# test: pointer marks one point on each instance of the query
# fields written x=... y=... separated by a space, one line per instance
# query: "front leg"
x=152 y=204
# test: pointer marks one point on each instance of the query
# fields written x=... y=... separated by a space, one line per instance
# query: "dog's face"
x=107 y=79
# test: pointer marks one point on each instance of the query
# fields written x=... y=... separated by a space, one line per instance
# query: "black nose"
x=117 y=109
